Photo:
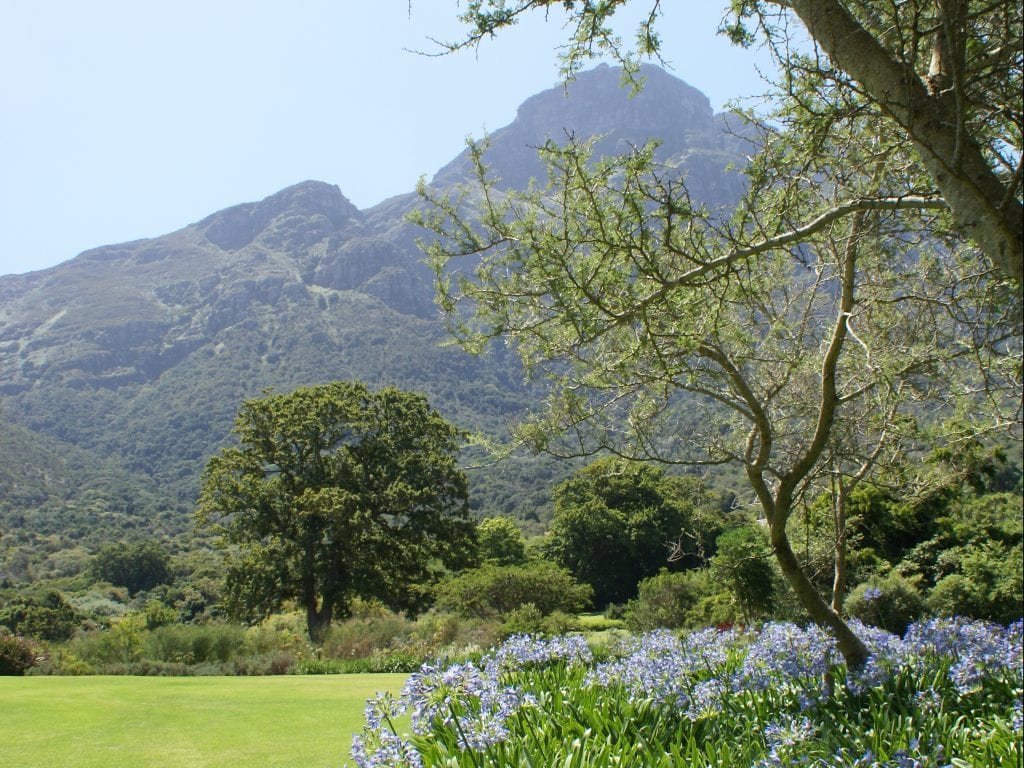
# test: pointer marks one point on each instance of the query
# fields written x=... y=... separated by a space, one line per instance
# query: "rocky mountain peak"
x=145 y=348
x=598 y=103
x=314 y=207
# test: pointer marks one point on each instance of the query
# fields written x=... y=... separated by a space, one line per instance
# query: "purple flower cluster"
x=380 y=746
x=978 y=649
x=903 y=758
x=523 y=651
x=468 y=700
x=785 y=655
x=651 y=667
x=464 y=698
x=871 y=594
x=699 y=676
x=783 y=738
x=689 y=674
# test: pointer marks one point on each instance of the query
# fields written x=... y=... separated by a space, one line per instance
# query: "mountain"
x=137 y=355
x=692 y=138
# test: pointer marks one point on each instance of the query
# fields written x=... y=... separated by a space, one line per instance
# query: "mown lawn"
x=192 y=722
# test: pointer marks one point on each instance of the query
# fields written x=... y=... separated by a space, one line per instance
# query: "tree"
x=742 y=562
x=137 y=567
x=501 y=541
x=335 y=491
x=616 y=523
x=943 y=75
x=800 y=338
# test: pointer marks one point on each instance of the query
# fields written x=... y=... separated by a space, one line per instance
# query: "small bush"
x=491 y=591
x=17 y=654
x=281 y=663
x=891 y=603
x=668 y=600
x=194 y=644
x=362 y=636
x=62 y=662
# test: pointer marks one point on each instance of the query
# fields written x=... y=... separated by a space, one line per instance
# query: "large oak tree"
x=333 y=492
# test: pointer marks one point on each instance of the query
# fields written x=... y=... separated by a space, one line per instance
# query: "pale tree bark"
x=980 y=203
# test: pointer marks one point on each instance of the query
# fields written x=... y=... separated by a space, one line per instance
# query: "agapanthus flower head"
x=522 y=651
x=872 y=593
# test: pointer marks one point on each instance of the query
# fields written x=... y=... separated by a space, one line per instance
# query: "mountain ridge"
x=141 y=352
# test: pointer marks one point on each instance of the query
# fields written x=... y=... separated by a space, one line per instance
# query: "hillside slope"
x=139 y=353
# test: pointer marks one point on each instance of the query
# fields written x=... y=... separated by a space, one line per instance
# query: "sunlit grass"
x=193 y=722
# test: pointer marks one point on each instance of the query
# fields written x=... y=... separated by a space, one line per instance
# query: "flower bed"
x=948 y=693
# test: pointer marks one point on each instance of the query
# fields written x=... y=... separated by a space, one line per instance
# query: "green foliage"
x=137 y=567
x=665 y=600
x=501 y=541
x=16 y=654
x=491 y=591
x=892 y=603
x=988 y=584
x=974 y=562
x=527 y=619
x=195 y=644
x=743 y=562
x=692 y=598
x=47 y=618
x=336 y=491
x=617 y=522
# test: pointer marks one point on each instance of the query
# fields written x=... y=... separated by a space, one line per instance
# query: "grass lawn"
x=186 y=722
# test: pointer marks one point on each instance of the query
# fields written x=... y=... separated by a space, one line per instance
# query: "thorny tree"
x=803 y=337
x=944 y=75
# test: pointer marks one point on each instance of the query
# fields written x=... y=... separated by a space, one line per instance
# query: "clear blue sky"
x=123 y=119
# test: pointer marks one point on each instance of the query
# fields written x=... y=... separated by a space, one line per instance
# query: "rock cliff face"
x=142 y=351
x=692 y=138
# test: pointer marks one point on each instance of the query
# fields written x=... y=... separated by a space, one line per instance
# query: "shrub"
x=492 y=591
x=362 y=636
x=47 y=618
x=667 y=600
x=16 y=654
x=988 y=584
x=194 y=644
x=892 y=603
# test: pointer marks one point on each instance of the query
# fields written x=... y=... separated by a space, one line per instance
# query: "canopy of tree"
x=870 y=275
x=946 y=76
x=616 y=523
x=336 y=491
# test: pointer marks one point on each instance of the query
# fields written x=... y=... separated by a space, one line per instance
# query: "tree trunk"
x=318 y=621
x=978 y=200
x=839 y=493
x=853 y=649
